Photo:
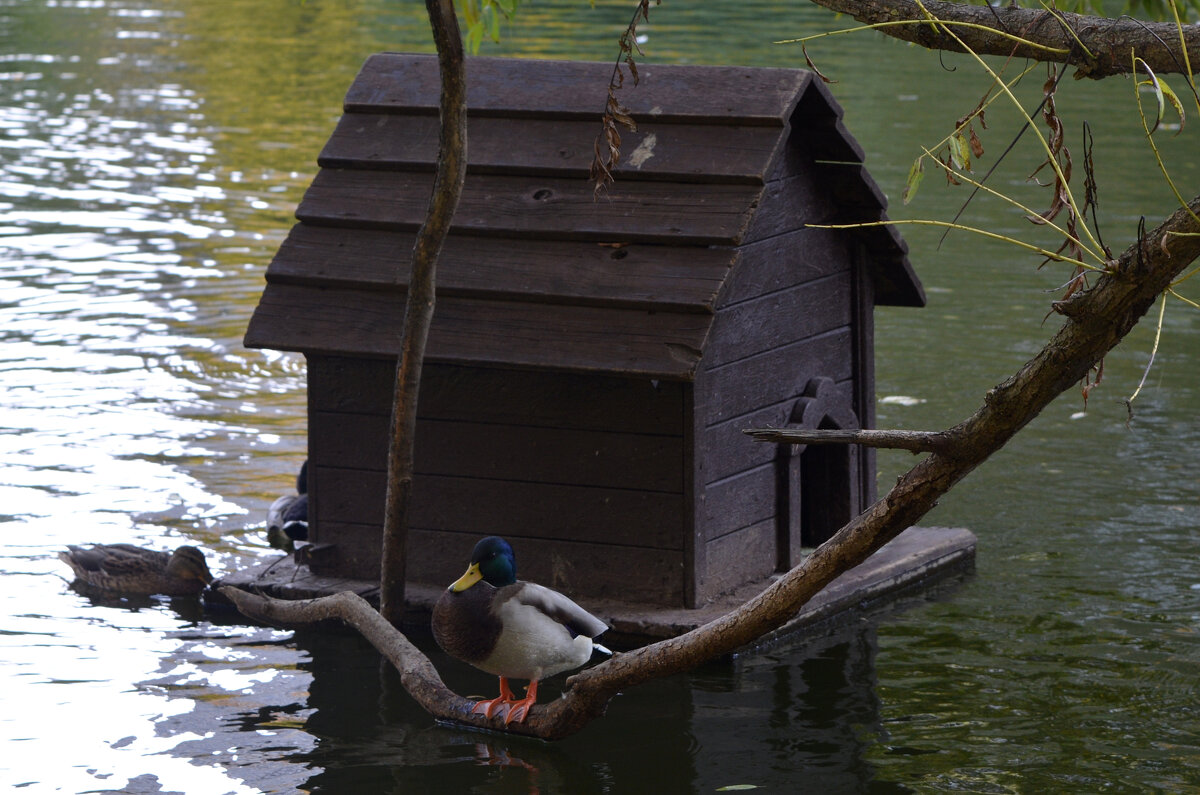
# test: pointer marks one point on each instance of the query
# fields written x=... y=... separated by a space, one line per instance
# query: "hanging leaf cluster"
x=964 y=144
x=1058 y=160
x=962 y=148
x=607 y=149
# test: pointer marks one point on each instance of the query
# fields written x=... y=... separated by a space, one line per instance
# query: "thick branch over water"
x=1098 y=319
x=1107 y=43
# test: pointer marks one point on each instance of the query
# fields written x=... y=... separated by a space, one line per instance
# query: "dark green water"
x=151 y=155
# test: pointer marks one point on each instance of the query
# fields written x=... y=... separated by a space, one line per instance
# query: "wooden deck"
x=918 y=558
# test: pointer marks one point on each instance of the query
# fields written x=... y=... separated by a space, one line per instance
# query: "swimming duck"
x=287 y=518
x=510 y=628
x=124 y=568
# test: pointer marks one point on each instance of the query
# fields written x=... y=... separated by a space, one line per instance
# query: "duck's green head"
x=492 y=561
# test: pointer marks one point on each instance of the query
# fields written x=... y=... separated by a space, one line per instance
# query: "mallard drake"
x=287 y=518
x=124 y=568
x=513 y=629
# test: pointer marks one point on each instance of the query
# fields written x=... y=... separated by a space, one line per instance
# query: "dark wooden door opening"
x=825 y=490
x=816 y=486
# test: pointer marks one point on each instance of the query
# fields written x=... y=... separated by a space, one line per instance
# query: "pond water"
x=151 y=155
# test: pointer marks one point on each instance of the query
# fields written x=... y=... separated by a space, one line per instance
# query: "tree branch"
x=418 y=675
x=1112 y=307
x=1106 y=43
x=913 y=441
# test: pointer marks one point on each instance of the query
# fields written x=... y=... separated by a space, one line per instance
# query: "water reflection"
x=762 y=720
x=92 y=687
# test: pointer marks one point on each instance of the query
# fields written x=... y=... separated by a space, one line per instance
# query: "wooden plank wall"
x=582 y=474
x=789 y=313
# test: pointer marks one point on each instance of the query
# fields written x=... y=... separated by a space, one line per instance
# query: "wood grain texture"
x=810 y=253
x=728 y=451
x=629 y=342
x=462 y=504
x=583 y=570
x=720 y=152
x=559 y=89
x=737 y=388
x=515 y=397
x=684 y=278
x=606 y=459
x=549 y=208
x=739 y=501
x=740 y=557
x=781 y=318
x=545 y=456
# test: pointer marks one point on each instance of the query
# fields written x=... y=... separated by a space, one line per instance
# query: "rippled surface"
x=151 y=155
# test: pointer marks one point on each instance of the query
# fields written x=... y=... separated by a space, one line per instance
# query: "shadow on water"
x=321 y=712
x=763 y=720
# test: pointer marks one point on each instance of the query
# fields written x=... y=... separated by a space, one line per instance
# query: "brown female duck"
x=124 y=568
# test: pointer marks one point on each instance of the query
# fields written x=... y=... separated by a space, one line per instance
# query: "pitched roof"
x=537 y=272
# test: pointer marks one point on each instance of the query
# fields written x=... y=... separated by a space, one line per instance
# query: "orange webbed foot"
x=519 y=710
x=498 y=706
x=491 y=708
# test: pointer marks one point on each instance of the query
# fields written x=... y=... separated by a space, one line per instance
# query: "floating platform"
x=918 y=558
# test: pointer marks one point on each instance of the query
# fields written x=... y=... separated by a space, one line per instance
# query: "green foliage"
x=915 y=175
x=482 y=17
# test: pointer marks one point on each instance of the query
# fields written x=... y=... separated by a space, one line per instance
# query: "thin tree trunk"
x=419 y=306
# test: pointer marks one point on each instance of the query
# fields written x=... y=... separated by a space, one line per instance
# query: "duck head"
x=491 y=561
x=187 y=563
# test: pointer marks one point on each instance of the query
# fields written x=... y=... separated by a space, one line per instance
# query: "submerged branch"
x=913 y=441
x=1096 y=46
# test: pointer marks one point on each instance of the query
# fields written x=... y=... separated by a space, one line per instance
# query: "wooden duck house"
x=593 y=360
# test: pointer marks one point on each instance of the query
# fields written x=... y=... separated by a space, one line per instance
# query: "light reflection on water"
x=151 y=154
x=123 y=385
